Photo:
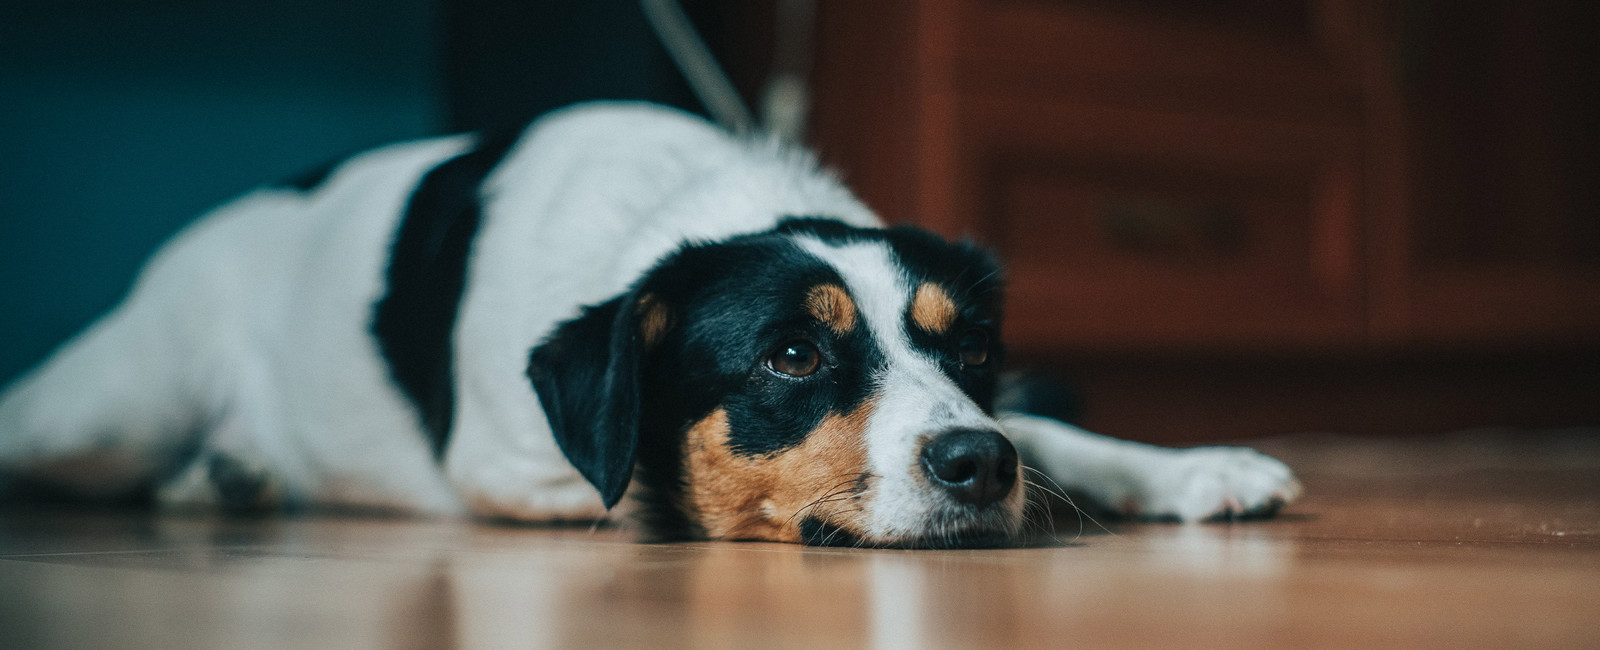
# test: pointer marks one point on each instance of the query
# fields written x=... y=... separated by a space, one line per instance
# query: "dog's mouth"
x=818 y=532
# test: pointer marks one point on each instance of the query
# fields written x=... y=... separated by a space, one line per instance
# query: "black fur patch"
x=426 y=277
x=740 y=302
x=733 y=304
x=816 y=532
x=970 y=275
x=586 y=375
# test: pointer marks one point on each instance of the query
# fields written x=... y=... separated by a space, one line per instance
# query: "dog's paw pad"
x=1219 y=483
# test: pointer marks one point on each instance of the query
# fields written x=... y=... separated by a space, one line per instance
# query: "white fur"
x=1137 y=479
x=915 y=399
x=249 y=334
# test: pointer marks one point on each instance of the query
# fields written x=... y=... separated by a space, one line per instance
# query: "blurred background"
x=1221 y=218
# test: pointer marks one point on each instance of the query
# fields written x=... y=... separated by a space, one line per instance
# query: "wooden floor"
x=1463 y=541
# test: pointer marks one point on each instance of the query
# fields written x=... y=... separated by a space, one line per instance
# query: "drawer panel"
x=1144 y=230
x=1211 y=56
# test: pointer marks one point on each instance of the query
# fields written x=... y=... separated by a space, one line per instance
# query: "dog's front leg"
x=1148 y=481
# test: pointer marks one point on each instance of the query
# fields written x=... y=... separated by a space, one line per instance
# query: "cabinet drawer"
x=1222 y=56
x=1136 y=230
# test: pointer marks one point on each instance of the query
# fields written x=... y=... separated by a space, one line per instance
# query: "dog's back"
x=259 y=333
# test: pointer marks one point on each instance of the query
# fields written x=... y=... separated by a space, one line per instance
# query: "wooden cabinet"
x=1496 y=237
x=1247 y=217
x=1176 y=176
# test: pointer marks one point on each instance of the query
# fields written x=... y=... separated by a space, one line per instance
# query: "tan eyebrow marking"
x=932 y=309
x=830 y=304
x=654 y=319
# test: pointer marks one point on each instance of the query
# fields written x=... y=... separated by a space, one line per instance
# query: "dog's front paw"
x=1215 y=483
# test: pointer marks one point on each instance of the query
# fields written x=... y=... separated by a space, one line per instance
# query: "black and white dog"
x=619 y=299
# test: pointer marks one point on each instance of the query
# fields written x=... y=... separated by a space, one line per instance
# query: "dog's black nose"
x=975 y=466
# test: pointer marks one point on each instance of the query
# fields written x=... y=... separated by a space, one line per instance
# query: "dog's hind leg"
x=230 y=481
x=243 y=464
x=109 y=414
x=1142 y=480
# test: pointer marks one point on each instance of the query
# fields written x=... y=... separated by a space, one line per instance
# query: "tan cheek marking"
x=720 y=486
x=654 y=319
x=737 y=497
x=932 y=309
x=831 y=304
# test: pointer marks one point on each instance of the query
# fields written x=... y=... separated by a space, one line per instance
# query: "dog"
x=619 y=300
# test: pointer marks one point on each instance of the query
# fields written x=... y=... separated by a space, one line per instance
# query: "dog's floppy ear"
x=587 y=375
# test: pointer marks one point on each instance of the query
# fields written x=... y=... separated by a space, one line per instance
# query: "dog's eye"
x=974 y=347
x=795 y=359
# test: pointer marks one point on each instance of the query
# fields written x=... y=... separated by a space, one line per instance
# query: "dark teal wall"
x=121 y=120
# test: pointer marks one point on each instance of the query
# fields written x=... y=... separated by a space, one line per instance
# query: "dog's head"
x=816 y=383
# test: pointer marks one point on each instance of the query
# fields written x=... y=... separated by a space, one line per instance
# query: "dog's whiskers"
x=831 y=495
x=1037 y=515
x=838 y=530
x=1060 y=493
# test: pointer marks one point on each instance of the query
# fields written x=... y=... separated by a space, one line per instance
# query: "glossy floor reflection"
x=1465 y=541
